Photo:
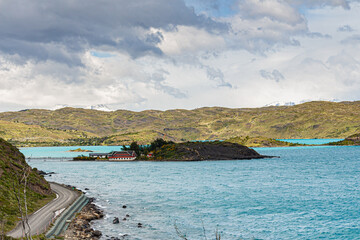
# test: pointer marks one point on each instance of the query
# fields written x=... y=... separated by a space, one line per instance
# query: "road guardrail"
x=63 y=221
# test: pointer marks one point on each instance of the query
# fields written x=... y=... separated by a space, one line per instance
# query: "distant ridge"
x=78 y=126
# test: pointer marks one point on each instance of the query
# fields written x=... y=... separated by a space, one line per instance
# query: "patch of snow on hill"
x=100 y=107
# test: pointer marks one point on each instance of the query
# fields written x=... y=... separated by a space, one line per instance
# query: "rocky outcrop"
x=80 y=227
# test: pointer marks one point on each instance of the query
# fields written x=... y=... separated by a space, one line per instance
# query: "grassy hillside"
x=260 y=142
x=353 y=140
x=23 y=133
x=77 y=126
x=12 y=163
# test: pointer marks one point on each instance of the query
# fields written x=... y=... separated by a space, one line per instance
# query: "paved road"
x=42 y=218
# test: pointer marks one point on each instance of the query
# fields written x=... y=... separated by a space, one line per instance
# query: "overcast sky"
x=165 y=54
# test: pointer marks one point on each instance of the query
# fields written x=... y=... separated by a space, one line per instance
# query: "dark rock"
x=41 y=172
x=127 y=215
x=124 y=206
x=116 y=220
x=139 y=225
x=86 y=189
x=124 y=219
x=97 y=233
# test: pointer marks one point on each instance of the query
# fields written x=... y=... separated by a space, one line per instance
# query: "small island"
x=79 y=150
x=161 y=150
x=204 y=151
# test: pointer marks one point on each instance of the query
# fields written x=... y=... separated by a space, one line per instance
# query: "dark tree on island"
x=145 y=149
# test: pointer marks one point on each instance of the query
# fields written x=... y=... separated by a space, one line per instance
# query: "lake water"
x=36 y=152
x=307 y=193
x=58 y=152
x=312 y=141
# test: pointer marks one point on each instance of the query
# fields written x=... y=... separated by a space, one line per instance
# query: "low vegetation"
x=14 y=171
x=79 y=150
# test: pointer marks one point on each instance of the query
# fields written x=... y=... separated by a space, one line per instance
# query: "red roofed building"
x=122 y=156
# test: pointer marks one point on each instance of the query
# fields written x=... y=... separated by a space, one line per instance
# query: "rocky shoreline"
x=80 y=227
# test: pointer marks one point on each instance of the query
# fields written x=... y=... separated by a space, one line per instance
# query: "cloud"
x=322 y=3
x=345 y=68
x=217 y=76
x=188 y=39
x=60 y=30
x=353 y=40
x=317 y=35
x=275 y=10
x=158 y=79
x=274 y=75
x=345 y=28
x=173 y=53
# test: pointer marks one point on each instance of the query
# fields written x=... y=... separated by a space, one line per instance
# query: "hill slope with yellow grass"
x=74 y=126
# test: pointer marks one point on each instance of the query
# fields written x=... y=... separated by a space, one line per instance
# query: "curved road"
x=43 y=217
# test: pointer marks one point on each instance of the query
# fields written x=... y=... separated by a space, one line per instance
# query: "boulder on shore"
x=116 y=220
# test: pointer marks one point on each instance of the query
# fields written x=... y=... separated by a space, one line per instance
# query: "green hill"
x=12 y=165
x=73 y=126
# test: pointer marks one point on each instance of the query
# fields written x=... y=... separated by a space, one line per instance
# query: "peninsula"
x=353 y=140
x=202 y=151
x=161 y=150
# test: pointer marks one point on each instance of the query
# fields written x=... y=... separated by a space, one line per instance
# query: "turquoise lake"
x=308 y=193
x=58 y=152
x=312 y=141
x=36 y=152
